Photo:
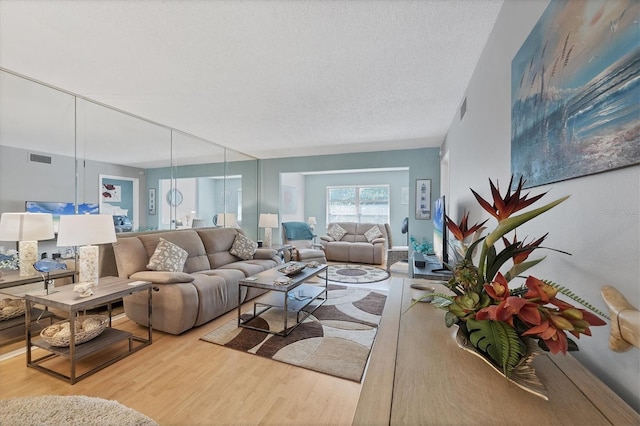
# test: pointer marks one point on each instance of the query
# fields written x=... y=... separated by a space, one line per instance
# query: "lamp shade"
x=85 y=229
x=268 y=220
x=227 y=220
x=312 y=220
x=26 y=226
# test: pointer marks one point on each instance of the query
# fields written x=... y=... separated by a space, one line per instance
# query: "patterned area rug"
x=336 y=339
x=356 y=274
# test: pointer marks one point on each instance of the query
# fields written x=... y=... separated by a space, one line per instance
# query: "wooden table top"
x=419 y=375
x=12 y=278
x=108 y=289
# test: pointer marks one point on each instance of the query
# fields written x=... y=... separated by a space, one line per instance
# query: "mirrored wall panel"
x=58 y=148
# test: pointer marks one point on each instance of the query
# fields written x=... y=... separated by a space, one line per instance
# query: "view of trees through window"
x=363 y=204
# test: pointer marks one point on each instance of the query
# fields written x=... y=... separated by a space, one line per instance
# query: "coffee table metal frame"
x=278 y=296
x=110 y=289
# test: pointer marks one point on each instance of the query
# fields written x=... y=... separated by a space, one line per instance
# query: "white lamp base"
x=88 y=264
x=28 y=255
x=267 y=237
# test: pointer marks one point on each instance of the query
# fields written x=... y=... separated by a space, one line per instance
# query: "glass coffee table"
x=293 y=297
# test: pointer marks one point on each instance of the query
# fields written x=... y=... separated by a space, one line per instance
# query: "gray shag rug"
x=355 y=274
x=69 y=410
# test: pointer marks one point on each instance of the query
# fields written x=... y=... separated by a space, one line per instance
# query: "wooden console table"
x=418 y=375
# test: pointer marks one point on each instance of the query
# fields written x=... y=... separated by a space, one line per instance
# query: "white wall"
x=599 y=224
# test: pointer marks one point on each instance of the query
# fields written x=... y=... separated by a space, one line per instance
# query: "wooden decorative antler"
x=625 y=320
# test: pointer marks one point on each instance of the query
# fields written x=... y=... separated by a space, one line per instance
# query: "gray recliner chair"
x=300 y=236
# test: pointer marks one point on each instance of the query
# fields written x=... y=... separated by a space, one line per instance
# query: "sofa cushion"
x=336 y=232
x=373 y=233
x=217 y=243
x=243 y=247
x=130 y=256
x=162 y=277
x=167 y=257
x=187 y=239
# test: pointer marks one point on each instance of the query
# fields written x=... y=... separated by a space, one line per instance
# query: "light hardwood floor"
x=184 y=380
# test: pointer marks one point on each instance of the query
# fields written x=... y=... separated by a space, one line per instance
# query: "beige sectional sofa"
x=206 y=288
x=354 y=246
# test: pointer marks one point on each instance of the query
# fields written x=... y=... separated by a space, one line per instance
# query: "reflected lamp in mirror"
x=227 y=220
x=268 y=221
x=83 y=231
x=312 y=223
x=27 y=229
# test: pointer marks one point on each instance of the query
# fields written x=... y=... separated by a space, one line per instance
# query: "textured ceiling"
x=267 y=78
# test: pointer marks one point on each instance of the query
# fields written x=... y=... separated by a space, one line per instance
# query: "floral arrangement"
x=9 y=259
x=498 y=319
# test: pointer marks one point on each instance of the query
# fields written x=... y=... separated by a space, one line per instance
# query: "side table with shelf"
x=14 y=286
x=110 y=289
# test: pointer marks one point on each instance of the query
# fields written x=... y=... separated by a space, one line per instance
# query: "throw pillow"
x=336 y=232
x=168 y=257
x=243 y=247
x=373 y=233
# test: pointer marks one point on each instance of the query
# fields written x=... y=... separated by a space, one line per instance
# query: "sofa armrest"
x=326 y=238
x=265 y=253
x=378 y=241
x=162 y=277
x=317 y=246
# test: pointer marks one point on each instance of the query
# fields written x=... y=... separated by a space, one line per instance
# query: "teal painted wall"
x=316 y=199
x=422 y=163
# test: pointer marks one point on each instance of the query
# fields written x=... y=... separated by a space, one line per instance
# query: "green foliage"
x=440 y=300
x=519 y=268
x=570 y=294
x=498 y=340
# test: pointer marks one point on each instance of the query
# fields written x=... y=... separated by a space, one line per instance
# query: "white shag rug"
x=69 y=410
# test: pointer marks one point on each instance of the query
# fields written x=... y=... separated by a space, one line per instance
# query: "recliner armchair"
x=300 y=236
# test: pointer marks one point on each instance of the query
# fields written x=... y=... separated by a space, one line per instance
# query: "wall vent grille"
x=37 y=158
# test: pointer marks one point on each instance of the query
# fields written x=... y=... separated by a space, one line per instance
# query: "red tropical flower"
x=555 y=339
x=510 y=307
x=503 y=207
x=462 y=231
x=539 y=290
x=524 y=250
x=499 y=288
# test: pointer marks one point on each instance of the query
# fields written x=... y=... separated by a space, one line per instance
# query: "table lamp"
x=27 y=229
x=227 y=220
x=312 y=223
x=268 y=221
x=83 y=231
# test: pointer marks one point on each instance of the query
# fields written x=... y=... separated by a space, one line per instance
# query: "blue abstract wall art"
x=575 y=92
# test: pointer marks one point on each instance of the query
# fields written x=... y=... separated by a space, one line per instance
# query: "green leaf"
x=570 y=294
x=521 y=267
x=471 y=249
x=509 y=225
x=495 y=262
x=513 y=222
x=499 y=341
x=450 y=319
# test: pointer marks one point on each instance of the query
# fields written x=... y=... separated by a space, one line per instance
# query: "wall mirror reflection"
x=63 y=152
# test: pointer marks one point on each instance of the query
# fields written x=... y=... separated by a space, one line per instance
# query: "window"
x=365 y=204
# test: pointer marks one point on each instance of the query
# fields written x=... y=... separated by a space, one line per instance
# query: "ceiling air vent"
x=36 y=158
x=463 y=108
